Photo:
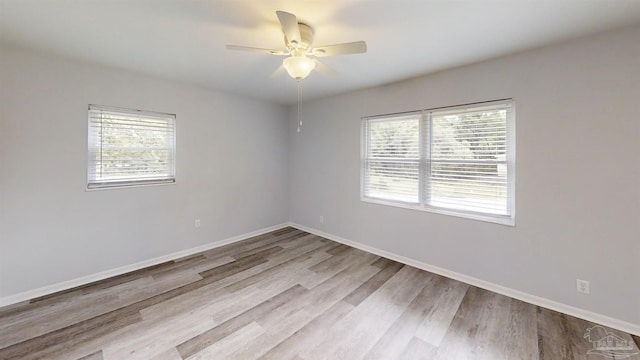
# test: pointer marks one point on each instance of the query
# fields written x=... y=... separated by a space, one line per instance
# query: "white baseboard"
x=516 y=294
x=50 y=289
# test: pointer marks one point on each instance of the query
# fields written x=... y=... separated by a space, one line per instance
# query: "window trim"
x=93 y=185
x=425 y=141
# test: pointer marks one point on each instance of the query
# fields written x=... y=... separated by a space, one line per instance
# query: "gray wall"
x=577 y=185
x=231 y=171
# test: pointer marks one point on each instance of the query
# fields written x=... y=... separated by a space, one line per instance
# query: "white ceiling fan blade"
x=289 y=24
x=356 y=47
x=323 y=69
x=277 y=72
x=261 y=50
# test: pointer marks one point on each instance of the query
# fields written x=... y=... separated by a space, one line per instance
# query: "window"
x=130 y=147
x=457 y=160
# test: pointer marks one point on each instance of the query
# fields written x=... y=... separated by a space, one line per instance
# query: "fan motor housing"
x=306 y=38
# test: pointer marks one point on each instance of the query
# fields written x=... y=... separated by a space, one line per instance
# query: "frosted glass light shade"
x=298 y=67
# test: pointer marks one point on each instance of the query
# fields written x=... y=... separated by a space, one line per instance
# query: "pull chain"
x=299 y=106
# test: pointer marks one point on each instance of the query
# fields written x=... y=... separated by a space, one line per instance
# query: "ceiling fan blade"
x=266 y=51
x=289 y=24
x=277 y=72
x=357 y=47
x=323 y=69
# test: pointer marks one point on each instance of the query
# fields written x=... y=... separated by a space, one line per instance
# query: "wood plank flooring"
x=291 y=295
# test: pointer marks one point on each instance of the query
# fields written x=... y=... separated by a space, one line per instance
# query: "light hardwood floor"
x=289 y=295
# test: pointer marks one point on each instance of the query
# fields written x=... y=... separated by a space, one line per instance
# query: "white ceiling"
x=185 y=39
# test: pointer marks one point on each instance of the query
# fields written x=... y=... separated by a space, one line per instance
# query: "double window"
x=457 y=160
x=130 y=147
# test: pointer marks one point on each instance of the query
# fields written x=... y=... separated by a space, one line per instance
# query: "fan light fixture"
x=298 y=67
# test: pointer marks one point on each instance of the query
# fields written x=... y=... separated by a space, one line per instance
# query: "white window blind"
x=457 y=160
x=392 y=164
x=130 y=147
x=467 y=161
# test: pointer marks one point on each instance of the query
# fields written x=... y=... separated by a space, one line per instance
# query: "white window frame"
x=152 y=123
x=424 y=203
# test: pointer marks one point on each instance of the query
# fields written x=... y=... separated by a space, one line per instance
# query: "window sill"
x=496 y=219
x=95 y=187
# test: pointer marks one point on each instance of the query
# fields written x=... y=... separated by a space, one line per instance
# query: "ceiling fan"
x=298 y=40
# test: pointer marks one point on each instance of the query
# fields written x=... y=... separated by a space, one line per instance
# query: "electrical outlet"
x=321 y=219
x=196 y=223
x=582 y=286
